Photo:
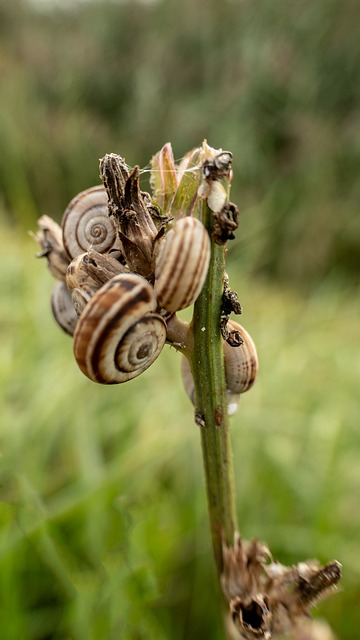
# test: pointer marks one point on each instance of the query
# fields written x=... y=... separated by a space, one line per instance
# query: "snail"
x=119 y=335
x=86 y=223
x=182 y=264
x=241 y=367
x=49 y=238
x=62 y=308
x=87 y=273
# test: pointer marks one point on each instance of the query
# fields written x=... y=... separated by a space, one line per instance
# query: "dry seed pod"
x=241 y=367
x=86 y=223
x=182 y=264
x=118 y=335
x=62 y=308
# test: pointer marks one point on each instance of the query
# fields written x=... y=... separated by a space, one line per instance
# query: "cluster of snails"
x=125 y=267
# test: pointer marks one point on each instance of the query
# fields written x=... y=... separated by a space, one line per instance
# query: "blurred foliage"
x=277 y=83
x=103 y=523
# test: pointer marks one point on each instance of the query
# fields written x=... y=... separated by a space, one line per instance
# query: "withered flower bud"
x=267 y=599
x=135 y=226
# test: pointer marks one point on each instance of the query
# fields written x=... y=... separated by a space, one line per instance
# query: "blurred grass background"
x=104 y=530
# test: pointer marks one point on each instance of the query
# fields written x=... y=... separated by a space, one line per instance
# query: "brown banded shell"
x=63 y=309
x=241 y=363
x=241 y=367
x=118 y=335
x=182 y=264
x=86 y=223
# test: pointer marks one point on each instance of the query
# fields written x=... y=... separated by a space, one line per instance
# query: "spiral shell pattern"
x=182 y=264
x=118 y=335
x=86 y=223
x=62 y=308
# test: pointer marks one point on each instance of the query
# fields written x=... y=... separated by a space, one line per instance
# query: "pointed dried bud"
x=49 y=238
x=114 y=174
x=136 y=229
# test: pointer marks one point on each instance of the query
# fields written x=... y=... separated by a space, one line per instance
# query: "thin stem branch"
x=211 y=406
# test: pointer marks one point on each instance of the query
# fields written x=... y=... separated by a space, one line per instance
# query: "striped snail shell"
x=181 y=264
x=241 y=363
x=86 y=223
x=118 y=335
x=80 y=291
x=49 y=238
x=62 y=308
x=241 y=367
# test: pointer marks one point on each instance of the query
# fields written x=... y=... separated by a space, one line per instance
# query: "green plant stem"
x=211 y=405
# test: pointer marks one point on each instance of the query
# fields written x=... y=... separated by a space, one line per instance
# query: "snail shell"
x=49 y=238
x=87 y=273
x=241 y=367
x=62 y=308
x=182 y=264
x=241 y=363
x=86 y=223
x=118 y=335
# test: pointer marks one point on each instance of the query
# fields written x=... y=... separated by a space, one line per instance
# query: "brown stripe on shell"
x=109 y=316
x=176 y=254
x=182 y=264
x=86 y=223
x=241 y=363
x=130 y=306
x=62 y=308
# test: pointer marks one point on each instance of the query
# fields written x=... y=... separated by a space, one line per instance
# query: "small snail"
x=86 y=223
x=118 y=335
x=87 y=273
x=62 y=308
x=49 y=238
x=241 y=363
x=241 y=367
x=182 y=264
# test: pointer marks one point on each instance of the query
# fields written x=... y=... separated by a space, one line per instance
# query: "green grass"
x=104 y=530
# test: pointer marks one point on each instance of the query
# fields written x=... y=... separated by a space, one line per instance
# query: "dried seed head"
x=63 y=309
x=267 y=599
x=132 y=218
